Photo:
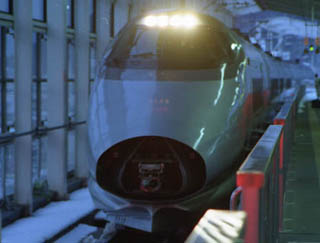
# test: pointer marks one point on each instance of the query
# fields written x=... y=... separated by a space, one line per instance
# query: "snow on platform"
x=50 y=220
x=77 y=234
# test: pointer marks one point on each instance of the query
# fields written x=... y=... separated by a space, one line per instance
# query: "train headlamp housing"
x=177 y=21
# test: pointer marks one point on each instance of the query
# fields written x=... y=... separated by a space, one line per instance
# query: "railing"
x=7 y=139
x=286 y=118
x=261 y=177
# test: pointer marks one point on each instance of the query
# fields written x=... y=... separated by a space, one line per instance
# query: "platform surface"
x=50 y=220
x=301 y=219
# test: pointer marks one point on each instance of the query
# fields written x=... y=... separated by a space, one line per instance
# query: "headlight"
x=150 y=21
x=186 y=21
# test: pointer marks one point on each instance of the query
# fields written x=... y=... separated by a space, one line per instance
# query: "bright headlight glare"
x=150 y=21
x=162 y=21
x=176 y=21
x=187 y=21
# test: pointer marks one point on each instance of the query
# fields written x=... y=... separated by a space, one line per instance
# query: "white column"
x=102 y=26
x=57 y=97
x=136 y=8
x=82 y=84
x=23 y=80
x=121 y=15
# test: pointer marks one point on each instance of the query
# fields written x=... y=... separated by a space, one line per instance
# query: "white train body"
x=169 y=113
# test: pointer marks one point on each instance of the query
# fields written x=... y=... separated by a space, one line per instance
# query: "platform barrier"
x=219 y=226
x=261 y=177
x=286 y=118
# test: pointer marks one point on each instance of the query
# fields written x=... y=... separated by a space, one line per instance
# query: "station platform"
x=301 y=209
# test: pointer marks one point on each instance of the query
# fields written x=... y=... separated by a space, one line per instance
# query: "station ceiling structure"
x=309 y=9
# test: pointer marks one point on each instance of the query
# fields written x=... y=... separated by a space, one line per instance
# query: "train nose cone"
x=151 y=167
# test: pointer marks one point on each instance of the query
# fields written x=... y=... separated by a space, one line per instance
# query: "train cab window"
x=200 y=48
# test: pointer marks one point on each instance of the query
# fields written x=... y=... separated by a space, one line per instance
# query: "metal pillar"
x=82 y=84
x=57 y=97
x=23 y=79
x=102 y=26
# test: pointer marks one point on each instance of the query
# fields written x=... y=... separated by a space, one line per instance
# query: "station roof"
x=303 y=8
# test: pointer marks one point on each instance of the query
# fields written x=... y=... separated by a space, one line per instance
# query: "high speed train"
x=174 y=101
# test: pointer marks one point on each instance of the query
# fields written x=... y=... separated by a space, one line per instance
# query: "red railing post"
x=233 y=199
x=251 y=183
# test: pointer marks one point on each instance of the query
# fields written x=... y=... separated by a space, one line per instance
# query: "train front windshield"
x=169 y=48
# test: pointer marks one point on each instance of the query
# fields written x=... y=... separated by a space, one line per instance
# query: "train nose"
x=151 y=167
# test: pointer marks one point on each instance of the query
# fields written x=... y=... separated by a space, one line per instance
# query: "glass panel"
x=43 y=58
x=93 y=60
x=34 y=55
x=69 y=9
x=91 y=86
x=129 y=11
x=43 y=158
x=0 y=109
x=2 y=160
x=44 y=102
x=37 y=65
x=38 y=9
x=1 y=57
x=10 y=103
x=71 y=150
x=9 y=153
x=92 y=16
x=71 y=70
x=34 y=104
x=71 y=100
x=39 y=171
x=35 y=161
x=1 y=54
x=4 y=5
x=111 y=20
x=10 y=56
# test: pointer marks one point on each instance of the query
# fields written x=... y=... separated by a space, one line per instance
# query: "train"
x=176 y=97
